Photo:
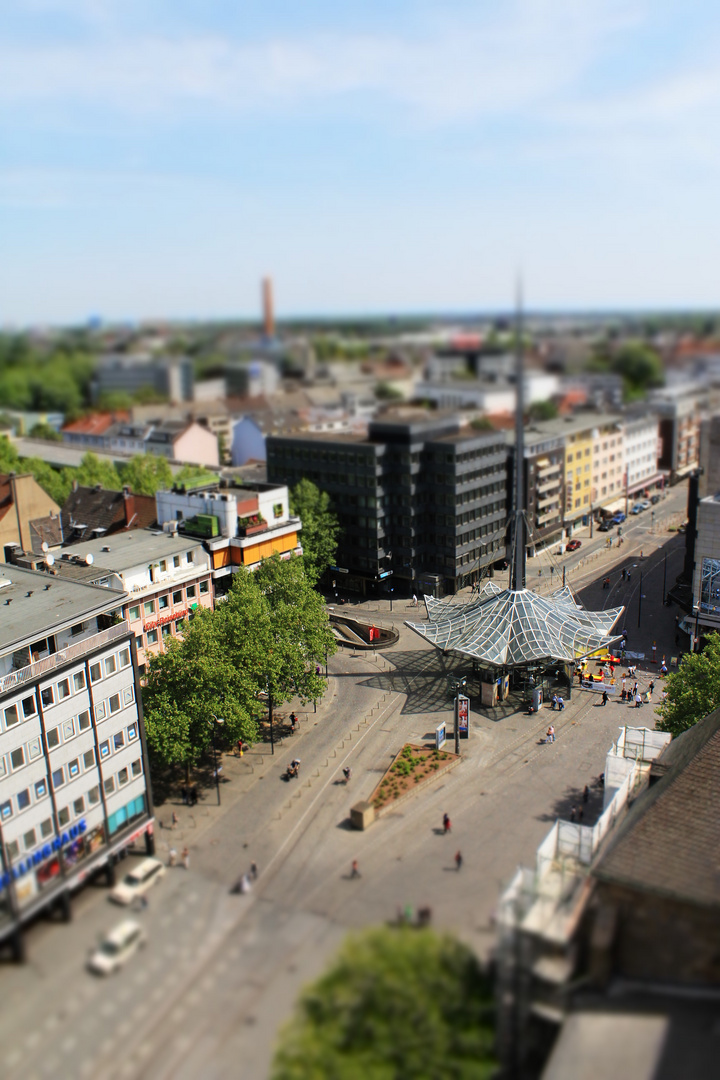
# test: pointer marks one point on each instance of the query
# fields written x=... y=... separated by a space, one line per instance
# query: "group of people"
x=243 y=884
x=189 y=795
x=557 y=702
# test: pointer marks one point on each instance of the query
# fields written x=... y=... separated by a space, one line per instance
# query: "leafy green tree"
x=275 y=627
x=396 y=1003
x=114 y=401
x=320 y=528
x=693 y=690
x=192 y=679
x=146 y=473
x=193 y=474
x=45 y=431
x=543 y=410
x=9 y=459
x=640 y=367
x=93 y=470
x=56 y=482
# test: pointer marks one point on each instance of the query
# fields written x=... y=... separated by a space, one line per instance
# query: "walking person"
x=458 y=861
x=254 y=871
x=651 y=686
x=186 y=858
x=604 y=697
x=447 y=825
x=354 y=872
x=550 y=734
x=561 y=704
x=586 y=794
x=638 y=701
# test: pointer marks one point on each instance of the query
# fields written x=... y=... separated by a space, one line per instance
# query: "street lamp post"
x=696 y=639
x=218 y=722
x=640 y=599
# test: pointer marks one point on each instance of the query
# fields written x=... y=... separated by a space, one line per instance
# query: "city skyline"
x=157 y=165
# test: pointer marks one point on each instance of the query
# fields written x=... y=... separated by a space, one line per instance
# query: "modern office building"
x=419 y=496
x=238 y=525
x=74 y=780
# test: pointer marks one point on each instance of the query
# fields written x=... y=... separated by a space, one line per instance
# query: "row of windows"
x=27 y=796
x=31 y=750
x=63 y=688
x=162 y=603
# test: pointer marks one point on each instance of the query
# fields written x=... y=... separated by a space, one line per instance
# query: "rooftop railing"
x=63 y=656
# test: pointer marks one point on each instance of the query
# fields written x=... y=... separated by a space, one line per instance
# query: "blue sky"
x=157 y=157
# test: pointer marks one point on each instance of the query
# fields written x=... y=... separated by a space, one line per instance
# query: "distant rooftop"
x=121 y=551
x=34 y=604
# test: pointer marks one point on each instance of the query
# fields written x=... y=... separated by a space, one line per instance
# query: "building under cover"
x=505 y=628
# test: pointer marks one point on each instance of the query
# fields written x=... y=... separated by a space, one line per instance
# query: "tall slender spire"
x=518 y=571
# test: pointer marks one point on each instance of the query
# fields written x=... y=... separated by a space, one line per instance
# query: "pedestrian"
x=554 y=701
x=458 y=861
x=550 y=734
x=638 y=701
x=253 y=871
x=586 y=794
x=623 y=687
x=573 y=814
x=354 y=872
x=172 y=856
x=317 y=669
x=561 y=703
x=415 y=600
x=604 y=697
x=651 y=686
x=654 y=649
x=186 y=858
x=174 y=820
x=447 y=825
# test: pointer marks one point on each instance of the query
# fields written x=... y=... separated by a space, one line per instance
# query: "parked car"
x=637 y=509
x=140 y=879
x=573 y=545
x=605 y=526
x=644 y=505
x=117 y=947
x=655 y=499
x=618 y=519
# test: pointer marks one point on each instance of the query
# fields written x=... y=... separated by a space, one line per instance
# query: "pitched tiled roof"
x=669 y=842
x=96 y=508
x=96 y=424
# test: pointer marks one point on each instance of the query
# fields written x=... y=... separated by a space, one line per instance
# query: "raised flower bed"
x=412 y=767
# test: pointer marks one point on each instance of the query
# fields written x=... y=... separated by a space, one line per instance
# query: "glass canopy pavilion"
x=510 y=628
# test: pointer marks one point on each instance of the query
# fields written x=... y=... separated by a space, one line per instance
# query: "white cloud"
x=454 y=67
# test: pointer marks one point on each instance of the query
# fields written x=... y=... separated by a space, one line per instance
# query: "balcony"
x=545 y=471
x=64 y=656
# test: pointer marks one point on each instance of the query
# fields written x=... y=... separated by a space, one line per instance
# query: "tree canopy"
x=693 y=690
x=320 y=528
x=638 y=363
x=396 y=1003
x=268 y=635
x=147 y=473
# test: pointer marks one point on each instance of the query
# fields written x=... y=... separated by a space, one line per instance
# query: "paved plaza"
x=221 y=972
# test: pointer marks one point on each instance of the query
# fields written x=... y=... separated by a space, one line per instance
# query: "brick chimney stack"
x=268 y=311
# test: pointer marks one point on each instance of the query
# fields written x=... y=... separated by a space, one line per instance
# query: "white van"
x=138 y=881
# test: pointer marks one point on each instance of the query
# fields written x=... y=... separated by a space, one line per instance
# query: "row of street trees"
x=262 y=645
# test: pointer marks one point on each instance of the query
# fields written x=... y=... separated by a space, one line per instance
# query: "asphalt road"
x=221 y=971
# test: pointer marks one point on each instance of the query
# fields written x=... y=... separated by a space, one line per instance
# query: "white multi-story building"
x=74 y=780
x=642 y=449
x=165 y=576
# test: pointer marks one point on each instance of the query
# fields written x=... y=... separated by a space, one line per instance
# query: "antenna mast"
x=518 y=575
